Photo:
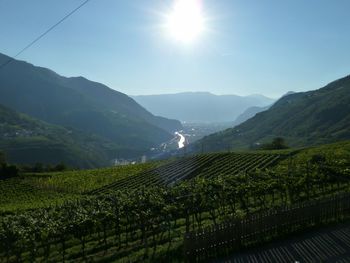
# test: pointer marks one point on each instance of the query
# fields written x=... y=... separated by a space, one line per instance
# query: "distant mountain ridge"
x=200 y=106
x=83 y=105
x=305 y=118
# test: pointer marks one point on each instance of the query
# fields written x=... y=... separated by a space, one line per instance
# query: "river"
x=182 y=140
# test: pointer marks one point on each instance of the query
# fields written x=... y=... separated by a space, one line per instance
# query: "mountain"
x=117 y=102
x=200 y=106
x=288 y=93
x=305 y=118
x=249 y=113
x=83 y=105
x=252 y=111
x=26 y=140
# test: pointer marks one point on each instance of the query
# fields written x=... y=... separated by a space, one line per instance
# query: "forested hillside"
x=84 y=105
x=26 y=140
x=305 y=118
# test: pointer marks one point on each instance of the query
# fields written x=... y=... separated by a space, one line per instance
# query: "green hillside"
x=84 y=105
x=26 y=140
x=306 y=118
x=68 y=184
x=169 y=173
x=75 y=184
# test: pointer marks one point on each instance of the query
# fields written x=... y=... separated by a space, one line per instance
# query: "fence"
x=261 y=226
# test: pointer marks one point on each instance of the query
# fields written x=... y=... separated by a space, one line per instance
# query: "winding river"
x=182 y=140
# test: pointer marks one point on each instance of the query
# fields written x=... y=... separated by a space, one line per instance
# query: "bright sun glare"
x=186 y=20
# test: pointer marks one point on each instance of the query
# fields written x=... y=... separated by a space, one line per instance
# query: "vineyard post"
x=308 y=179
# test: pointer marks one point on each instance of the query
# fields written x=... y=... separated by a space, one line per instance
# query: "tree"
x=277 y=143
x=38 y=168
x=60 y=167
x=2 y=158
x=8 y=170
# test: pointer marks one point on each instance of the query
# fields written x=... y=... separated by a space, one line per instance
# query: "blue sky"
x=267 y=47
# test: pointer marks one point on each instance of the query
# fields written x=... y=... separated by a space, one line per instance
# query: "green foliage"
x=40 y=168
x=147 y=223
x=276 y=144
x=49 y=188
x=143 y=219
x=165 y=175
x=86 y=180
x=338 y=152
x=7 y=170
x=2 y=158
x=18 y=194
x=204 y=165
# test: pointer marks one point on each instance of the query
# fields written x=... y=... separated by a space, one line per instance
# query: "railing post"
x=234 y=234
x=238 y=231
x=189 y=250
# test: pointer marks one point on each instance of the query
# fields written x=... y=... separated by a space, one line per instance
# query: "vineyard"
x=46 y=189
x=167 y=174
x=80 y=182
x=15 y=194
x=231 y=164
x=42 y=190
x=140 y=219
x=206 y=165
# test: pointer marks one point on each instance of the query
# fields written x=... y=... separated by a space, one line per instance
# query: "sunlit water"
x=182 y=140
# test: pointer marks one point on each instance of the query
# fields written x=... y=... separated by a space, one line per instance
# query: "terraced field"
x=233 y=163
x=206 y=165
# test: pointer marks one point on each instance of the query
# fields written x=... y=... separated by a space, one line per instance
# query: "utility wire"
x=43 y=34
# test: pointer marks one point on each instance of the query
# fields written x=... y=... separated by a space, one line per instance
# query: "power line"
x=43 y=34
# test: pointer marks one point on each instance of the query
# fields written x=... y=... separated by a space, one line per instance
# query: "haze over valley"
x=201 y=107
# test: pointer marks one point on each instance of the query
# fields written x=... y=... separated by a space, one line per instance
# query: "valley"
x=149 y=199
x=179 y=131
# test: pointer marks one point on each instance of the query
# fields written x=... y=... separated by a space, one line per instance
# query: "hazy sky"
x=249 y=46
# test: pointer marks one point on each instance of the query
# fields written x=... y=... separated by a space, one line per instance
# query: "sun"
x=186 y=21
